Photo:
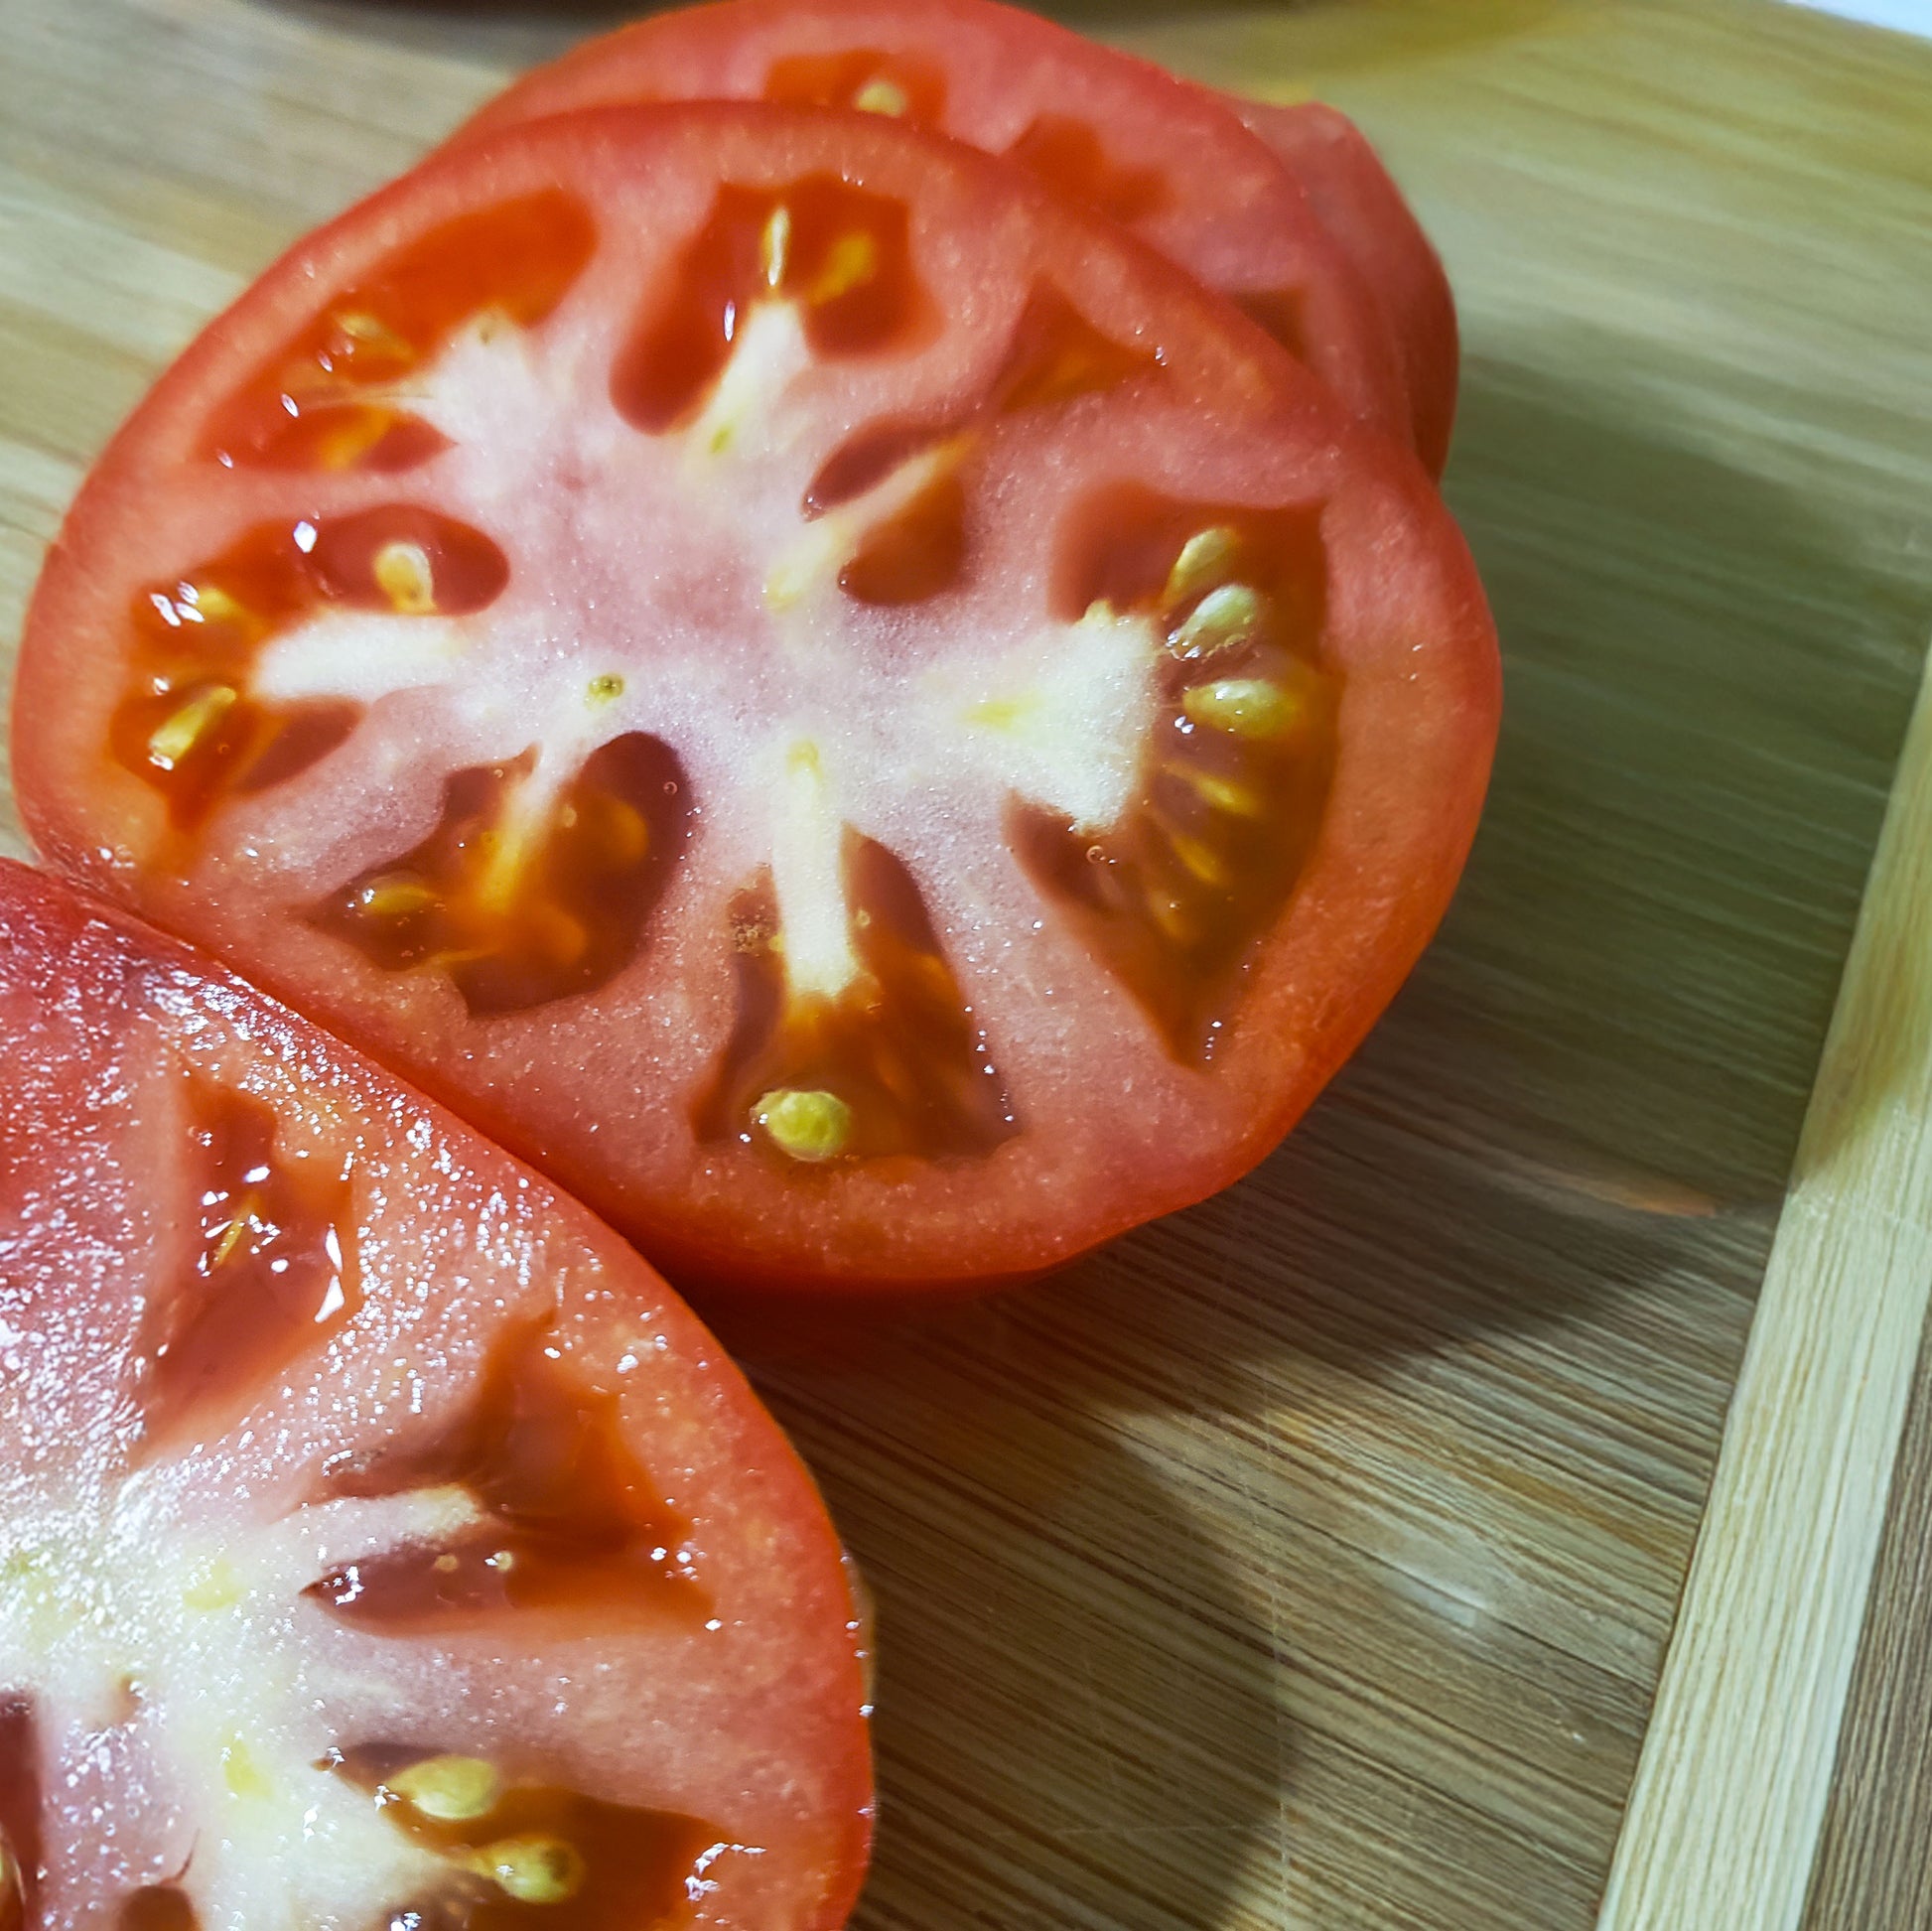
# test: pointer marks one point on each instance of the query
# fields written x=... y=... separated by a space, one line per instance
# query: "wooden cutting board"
x=1313 y=1559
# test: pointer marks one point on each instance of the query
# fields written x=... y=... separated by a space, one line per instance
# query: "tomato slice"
x=1362 y=207
x=384 y=1542
x=1169 y=161
x=883 y=735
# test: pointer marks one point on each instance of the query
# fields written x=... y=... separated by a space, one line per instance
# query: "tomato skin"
x=1363 y=208
x=108 y=1022
x=1172 y=163
x=1409 y=630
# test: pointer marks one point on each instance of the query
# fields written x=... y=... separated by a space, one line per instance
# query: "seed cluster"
x=523 y=1852
x=1233 y=783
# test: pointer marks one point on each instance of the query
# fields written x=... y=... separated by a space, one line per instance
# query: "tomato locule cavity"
x=337 y=396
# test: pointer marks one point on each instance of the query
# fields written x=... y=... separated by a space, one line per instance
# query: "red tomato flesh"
x=1173 y=163
x=383 y=1542
x=1358 y=204
x=879 y=734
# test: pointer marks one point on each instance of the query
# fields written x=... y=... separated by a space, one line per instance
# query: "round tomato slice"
x=1173 y=163
x=1362 y=207
x=832 y=701
x=382 y=1542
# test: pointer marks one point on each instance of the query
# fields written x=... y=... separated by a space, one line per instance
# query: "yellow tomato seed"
x=1244 y=707
x=532 y=1869
x=774 y=246
x=1222 y=619
x=395 y=897
x=360 y=326
x=1205 y=559
x=1224 y=794
x=881 y=96
x=854 y=259
x=1199 y=859
x=178 y=735
x=451 y=1789
x=807 y=1124
x=404 y=576
x=210 y=603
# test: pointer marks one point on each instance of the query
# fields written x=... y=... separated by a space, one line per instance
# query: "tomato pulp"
x=1172 y=163
x=817 y=692
x=384 y=1542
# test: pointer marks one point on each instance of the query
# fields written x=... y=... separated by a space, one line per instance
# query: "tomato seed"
x=404 y=574
x=874 y=82
x=840 y=253
x=450 y=1789
x=1205 y=559
x=272 y=1279
x=523 y=901
x=539 y=1845
x=1248 y=707
x=566 y=1515
x=1225 y=618
x=532 y=1869
x=809 y=1126
x=178 y=735
x=885 y=1061
x=883 y=96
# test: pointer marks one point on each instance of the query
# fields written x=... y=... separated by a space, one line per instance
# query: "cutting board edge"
x=1727 y=1808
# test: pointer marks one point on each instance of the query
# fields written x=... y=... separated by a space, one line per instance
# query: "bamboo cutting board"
x=1314 y=1558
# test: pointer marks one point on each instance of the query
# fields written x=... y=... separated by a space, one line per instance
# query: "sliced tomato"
x=382 y=1542
x=1170 y=162
x=822 y=695
x=1362 y=207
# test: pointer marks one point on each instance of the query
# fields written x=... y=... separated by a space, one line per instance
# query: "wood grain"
x=1308 y=1559
x=1736 y=1770
x=1873 y=1872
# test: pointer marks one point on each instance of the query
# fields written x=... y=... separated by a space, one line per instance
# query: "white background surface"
x=1909 y=16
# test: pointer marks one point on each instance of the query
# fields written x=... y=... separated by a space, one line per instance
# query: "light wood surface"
x=1872 y=1871
x=1738 y=1761
x=1311 y=1559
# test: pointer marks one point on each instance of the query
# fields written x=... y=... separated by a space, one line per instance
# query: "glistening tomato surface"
x=829 y=699
x=380 y=1542
x=1173 y=163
